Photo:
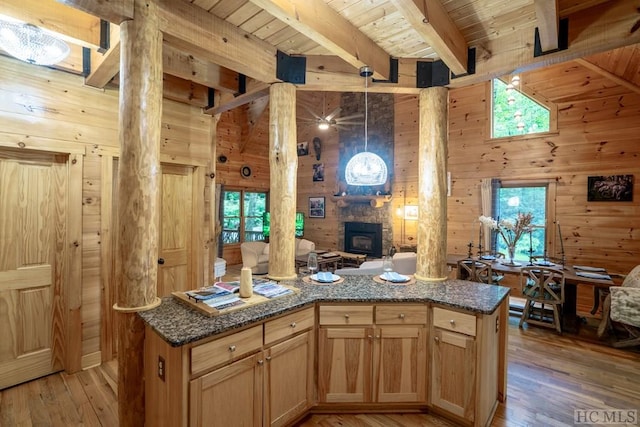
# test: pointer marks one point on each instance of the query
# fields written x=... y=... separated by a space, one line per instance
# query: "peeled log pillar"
x=283 y=164
x=432 y=185
x=138 y=199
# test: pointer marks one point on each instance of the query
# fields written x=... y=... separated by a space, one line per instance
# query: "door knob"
x=160 y=261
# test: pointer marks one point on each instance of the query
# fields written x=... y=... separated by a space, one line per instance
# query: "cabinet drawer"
x=225 y=349
x=346 y=314
x=288 y=325
x=454 y=321
x=401 y=314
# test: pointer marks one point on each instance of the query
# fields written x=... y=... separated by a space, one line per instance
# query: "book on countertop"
x=209 y=293
x=270 y=289
x=225 y=303
x=228 y=286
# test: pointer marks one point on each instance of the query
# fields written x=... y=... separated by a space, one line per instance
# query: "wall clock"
x=245 y=171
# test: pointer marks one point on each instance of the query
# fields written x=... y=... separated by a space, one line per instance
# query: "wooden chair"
x=542 y=286
x=622 y=306
x=475 y=271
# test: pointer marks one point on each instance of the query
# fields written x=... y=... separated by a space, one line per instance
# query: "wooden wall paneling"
x=107 y=257
x=73 y=287
x=91 y=254
x=197 y=230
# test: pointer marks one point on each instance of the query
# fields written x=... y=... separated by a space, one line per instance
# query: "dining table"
x=572 y=278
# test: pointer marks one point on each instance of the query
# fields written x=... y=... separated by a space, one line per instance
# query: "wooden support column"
x=283 y=164
x=214 y=221
x=432 y=185
x=139 y=199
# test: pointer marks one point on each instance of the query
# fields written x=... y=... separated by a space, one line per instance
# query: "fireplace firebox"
x=363 y=238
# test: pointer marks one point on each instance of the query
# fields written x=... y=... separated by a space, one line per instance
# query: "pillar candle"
x=246 y=283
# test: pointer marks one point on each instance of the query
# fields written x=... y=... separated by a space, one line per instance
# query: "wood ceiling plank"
x=547 y=20
x=73 y=25
x=186 y=27
x=329 y=29
x=610 y=76
x=114 y=11
x=432 y=22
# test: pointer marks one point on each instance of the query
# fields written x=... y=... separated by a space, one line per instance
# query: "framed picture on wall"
x=318 y=172
x=611 y=188
x=316 y=207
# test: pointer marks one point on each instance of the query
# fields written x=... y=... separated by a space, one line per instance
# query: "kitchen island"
x=353 y=346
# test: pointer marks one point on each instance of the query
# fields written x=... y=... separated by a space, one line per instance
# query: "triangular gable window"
x=515 y=113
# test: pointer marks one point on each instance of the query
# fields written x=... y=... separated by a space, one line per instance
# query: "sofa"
x=403 y=263
x=255 y=255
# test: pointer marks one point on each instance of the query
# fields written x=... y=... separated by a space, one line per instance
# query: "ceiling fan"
x=325 y=121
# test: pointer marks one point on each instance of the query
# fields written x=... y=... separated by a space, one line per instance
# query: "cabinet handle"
x=232 y=348
x=377 y=337
x=260 y=362
x=293 y=324
x=268 y=358
x=346 y=316
x=401 y=315
x=370 y=336
x=452 y=322
x=437 y=339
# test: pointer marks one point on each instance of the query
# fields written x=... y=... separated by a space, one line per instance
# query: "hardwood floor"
x=549 y=377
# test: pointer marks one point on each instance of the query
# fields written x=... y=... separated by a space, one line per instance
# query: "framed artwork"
x=611 y=188
x=303 y=148
x=411 y=212
x=318 y=172
x=316 y=207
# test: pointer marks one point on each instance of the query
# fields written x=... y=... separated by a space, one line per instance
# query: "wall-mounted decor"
x=318 y=172
x=316 y=207
x=303 y=148
x=614 y=188
x=411 y=212
x=317 y=147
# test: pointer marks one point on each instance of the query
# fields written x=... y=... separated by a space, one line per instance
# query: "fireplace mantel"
x=373 y=201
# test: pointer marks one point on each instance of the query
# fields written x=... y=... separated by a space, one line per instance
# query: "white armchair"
x=403 y=263
x=255 y=255
x=622 y=305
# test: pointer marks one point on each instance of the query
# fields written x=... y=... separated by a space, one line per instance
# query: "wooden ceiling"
x=210 y=43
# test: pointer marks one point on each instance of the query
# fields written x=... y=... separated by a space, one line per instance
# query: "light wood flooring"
x=549 y=376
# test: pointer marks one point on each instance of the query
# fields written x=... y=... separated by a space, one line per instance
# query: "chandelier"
x=366 y=168
x=31 y=44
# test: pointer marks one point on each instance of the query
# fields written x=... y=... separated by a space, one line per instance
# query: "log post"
x=214 y=220
x=432 y=185
x=139 y=199
x=283 y=164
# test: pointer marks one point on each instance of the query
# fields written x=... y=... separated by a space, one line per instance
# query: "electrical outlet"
x=161 y=368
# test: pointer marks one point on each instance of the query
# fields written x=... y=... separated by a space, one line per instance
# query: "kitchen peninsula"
x=353 y=346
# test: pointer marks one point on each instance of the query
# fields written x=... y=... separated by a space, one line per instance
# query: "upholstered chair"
x=622 y=306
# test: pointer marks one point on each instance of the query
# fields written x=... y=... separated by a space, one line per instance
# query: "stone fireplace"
x=369 y=221
x=363 y=238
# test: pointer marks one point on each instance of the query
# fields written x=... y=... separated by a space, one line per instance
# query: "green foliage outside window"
x=534 y=116
x=512 y=200
x=242 y=216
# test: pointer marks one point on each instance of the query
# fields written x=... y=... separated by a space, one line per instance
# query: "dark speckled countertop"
x=179 y=324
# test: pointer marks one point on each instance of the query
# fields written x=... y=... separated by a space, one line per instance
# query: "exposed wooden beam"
x=104 y=67
x=189 y=67
x=432 y=22
x=598 y=29
x=316 y=20
x=114 y=11
x=189 y=28
x=547 y=18
x=614 y=78
x=184 y=91
x=567 y=7
x=258 y=92
x=253 y=112
x=74 y=26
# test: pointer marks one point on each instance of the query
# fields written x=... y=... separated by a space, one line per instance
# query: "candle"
x=246 y=283
x=561 y=242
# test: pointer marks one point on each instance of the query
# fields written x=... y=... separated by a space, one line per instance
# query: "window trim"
x=551 y=106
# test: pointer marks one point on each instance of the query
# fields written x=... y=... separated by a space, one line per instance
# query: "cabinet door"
x=344 y=364
x=288 y=379
x=229 y=396
x=400 y=364
x=453 y=375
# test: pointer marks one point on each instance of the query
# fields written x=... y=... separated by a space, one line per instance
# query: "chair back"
x=542 y=284
x=632 y=279
x=475 y=271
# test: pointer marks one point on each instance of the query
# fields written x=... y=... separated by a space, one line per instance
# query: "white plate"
x=334 y=278
x=394 y=277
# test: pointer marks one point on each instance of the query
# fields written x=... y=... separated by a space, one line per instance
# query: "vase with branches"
x=511 y=231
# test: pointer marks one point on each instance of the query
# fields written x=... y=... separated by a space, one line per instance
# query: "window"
x=515 y=113
x=242 y=213
x=511 y=199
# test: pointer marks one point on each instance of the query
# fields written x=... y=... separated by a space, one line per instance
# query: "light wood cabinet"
x=464 y=364
x=370 y=362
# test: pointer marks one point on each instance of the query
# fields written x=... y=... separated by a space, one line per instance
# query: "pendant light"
x=31 y=44
x=366 y=168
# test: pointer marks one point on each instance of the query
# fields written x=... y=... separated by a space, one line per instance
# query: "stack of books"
x=219 y=296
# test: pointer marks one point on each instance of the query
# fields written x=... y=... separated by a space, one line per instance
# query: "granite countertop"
x=178 y=324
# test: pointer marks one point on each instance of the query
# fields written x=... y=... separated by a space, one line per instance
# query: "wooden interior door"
x=176 y=224
x=32 y=233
